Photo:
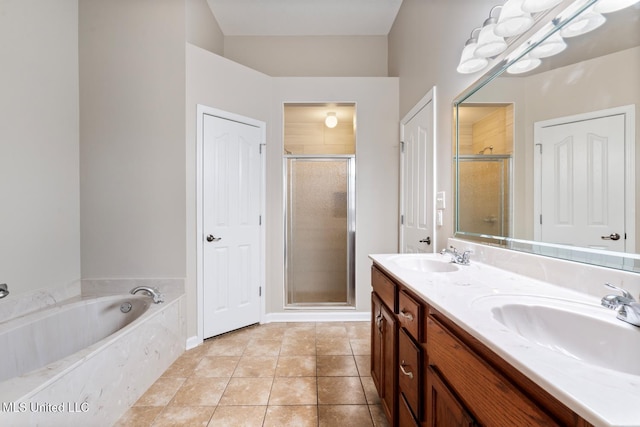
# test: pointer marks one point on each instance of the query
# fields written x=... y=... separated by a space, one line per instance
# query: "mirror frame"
x=617 y=260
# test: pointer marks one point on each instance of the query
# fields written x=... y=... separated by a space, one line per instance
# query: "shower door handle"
x=427 y=240
x=210 y=238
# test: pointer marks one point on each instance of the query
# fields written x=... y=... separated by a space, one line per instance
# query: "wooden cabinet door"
x=389 y=363
x=409 y=371
x=444 y=410
x=376 y=343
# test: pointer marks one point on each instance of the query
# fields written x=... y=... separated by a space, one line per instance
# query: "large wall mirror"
x=545 y=160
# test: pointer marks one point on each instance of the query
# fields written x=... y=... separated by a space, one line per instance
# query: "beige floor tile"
x=296 y=366
x=238 y=416
x=174 y=416
x=161 y=392
x=256 y=366
x=247 y=391
x=364 y=365
x=298 y=416
x=139 y=416
x=263 y=347
x=358 y=330
x=336 y=366
x=370 y=391
x=182 y=367
x=216 y=366
x=340 y=390
x=332 y=346
x=200 y=391
x=335 y=415
x=226 y=347
x=331 y=329
x=378 y=416
x=361 y=347
x=294 y=346
x=294 y=391
x=275 y=332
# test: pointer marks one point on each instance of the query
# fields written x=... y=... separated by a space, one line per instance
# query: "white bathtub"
x=85 y=362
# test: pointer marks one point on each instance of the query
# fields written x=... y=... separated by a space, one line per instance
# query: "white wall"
x=132 y=128
x=425 y=43
x=202 y=28
x=377 y=163
x=39 y=183
x=312 y=56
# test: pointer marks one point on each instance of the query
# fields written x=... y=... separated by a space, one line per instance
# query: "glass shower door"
x=320 y=230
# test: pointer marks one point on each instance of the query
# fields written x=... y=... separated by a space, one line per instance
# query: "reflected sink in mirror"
x=585 y=332
x=426 y=263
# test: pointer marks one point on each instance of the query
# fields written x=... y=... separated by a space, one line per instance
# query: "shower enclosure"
x=484 y=193
x=320 y=230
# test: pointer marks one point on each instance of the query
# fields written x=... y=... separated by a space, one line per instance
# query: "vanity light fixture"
x=608 y=6
x=524 y=64
x=553 y=45
x=587 y=21
x=535 y=6
x=489 y=43
x=513 y=20
x=469 y=63
x=331 y=120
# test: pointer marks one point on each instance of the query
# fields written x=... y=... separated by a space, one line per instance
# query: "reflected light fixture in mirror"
x=489 y=43
x=526 y=63
x=535 y=6
x=587 y=21
x=331 y=121
x=553 y=45
x=608 y=6
x=469 y=63
x=513 y=20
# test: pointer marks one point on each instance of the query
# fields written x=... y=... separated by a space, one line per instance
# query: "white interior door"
x=582 y=183
x=417 y=207
x=231 y=224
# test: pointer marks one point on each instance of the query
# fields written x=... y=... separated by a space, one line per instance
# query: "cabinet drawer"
x=443 y=409
x=410 y=315
x=409 y=375
x=405 y=416
x=478 y=385
x=384 y=287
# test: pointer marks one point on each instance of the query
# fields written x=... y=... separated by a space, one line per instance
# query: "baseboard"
x=307 y=316
x=193 y=342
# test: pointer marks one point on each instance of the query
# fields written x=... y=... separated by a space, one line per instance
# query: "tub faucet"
x=457 y=257
x=4 y=290
x=152 y=292
x=627 y=307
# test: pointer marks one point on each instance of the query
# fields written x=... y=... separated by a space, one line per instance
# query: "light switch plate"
x=440 y=200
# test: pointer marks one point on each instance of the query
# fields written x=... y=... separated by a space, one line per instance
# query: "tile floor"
x=280 y=374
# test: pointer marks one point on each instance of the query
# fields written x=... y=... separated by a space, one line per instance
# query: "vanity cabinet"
x=443 y=376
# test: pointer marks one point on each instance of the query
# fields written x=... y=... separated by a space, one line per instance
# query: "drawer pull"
x=409 y=374
x=406 y=315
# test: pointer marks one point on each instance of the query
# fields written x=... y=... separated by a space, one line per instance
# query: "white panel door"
x=231 y=224
x=583 y=183
x=417 y=183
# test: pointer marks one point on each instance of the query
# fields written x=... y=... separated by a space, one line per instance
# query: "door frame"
x=430 y=97
x=202 y=111
x=629 y=113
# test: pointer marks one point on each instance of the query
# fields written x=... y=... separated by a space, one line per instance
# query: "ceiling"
x=305 y=17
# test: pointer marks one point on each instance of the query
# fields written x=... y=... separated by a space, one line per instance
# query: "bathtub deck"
x=303 y=374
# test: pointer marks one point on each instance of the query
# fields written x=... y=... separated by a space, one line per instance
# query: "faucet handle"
x=625 y=293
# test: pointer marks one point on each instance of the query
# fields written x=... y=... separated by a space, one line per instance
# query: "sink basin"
x=425 y=263
x=583 y=332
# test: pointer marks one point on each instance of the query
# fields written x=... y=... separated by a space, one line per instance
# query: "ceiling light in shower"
x=513 y=20
x=331 y=120
x=535 y=6
x=469 y=63
x=608 y=6
x=587 y=21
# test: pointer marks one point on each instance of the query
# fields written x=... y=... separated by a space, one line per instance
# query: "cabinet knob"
x=407 y=373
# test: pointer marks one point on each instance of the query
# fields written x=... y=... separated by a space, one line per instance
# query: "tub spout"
x=4 y=290
x=152 y=292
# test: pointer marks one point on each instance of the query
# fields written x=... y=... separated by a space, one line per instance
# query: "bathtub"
x=86 y=361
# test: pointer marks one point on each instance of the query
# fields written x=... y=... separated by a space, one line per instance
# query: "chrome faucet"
x=627 y=307
x=457 y=257
x=4 y=290
x=152 y=292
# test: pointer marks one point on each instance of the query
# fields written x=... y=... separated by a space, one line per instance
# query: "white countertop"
x=602 y=396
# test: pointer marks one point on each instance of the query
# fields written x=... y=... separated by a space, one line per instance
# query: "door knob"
x=210 y=238
x=612 y=236
x=427 y=240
